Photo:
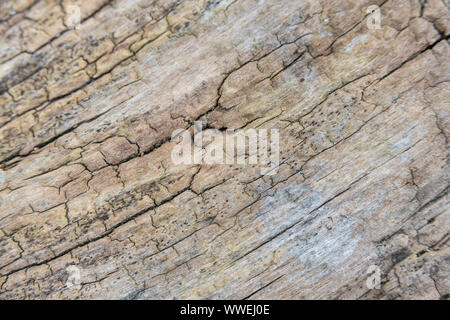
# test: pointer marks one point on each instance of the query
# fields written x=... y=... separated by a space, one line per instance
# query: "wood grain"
x=86 y=178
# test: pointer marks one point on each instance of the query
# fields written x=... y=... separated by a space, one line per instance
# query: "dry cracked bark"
x=86 y=178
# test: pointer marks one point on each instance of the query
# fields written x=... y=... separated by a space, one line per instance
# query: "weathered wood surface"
x=86 y=175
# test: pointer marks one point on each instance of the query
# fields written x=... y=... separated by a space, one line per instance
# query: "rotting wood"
x=87 y=180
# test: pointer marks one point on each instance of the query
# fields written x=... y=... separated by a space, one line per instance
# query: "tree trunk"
x=93 y=205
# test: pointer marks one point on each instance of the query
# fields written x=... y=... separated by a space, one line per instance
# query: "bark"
x=87 y=179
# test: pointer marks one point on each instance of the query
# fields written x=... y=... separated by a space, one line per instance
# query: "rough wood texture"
x=86 y=177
